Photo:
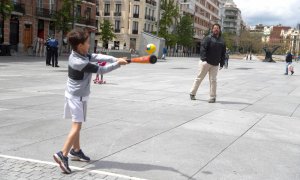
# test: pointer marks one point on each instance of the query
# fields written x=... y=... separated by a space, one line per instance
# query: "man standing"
x=165 y=51
x=48 y=51
x=212 y=54
x=54 y=51
x=288 y=60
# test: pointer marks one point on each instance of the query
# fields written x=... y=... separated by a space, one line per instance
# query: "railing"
x=91 y=1
x=88 y=22
x=19 y=7
x=151 y=2
x=117 y=30
x=47 y=13
x=150 y=18
x=135 y=31
x=106 y=13
x=136 y=15
x=117 y=13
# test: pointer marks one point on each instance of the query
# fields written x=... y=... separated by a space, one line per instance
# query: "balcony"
x=88 y=22
x=117 y=13
x=19 y=7
x=151 y=2
x=91 y=1
x=136 y=15
x=46 y=13
x=106 y=13
x=98 y=13
x=117 y=30
x=135 y=31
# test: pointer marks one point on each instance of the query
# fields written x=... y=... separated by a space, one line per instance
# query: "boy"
x=77 y=92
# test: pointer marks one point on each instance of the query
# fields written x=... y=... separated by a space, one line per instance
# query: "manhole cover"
x=61 y=70
x=180 y=68
x=243 y=68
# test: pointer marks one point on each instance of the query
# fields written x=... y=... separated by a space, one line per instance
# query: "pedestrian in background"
x=53 y=43
x=165 y=51
x=212 y=54
x=288 y=60
x=48 y=51
x=226 y=58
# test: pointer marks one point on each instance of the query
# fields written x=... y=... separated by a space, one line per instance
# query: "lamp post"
x=158 y=17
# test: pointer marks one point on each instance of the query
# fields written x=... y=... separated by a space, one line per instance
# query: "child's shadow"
x=98 y=165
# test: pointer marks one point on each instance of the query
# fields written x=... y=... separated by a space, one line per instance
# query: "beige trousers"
x=204 y=67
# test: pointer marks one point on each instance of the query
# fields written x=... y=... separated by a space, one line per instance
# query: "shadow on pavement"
x=134 y=167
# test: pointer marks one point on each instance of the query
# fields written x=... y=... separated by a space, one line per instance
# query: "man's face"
x=216 y=30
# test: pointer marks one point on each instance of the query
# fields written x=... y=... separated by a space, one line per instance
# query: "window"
x=40 y=3
x=107 y=8
x=118 y=8
x=117 y=25
x=135 y=25
x=136 y=9
x=88 y=13
x=78 y=11
x=52 y=5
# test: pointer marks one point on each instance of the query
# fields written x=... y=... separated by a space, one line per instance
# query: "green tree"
x=6 y=7
x=185 y=31
x=64 y=18
x=106 y=32
x=229 y=40
x=170 y=13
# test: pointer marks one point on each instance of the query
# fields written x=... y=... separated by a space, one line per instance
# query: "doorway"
x=14 y=32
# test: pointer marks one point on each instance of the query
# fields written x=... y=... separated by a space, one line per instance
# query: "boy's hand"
x=122 y=61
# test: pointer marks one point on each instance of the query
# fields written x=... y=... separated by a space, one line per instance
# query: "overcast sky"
x=270 y=12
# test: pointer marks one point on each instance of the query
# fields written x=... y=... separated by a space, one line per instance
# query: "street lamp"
x=158 y=17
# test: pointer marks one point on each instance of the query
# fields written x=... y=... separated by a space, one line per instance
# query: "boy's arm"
x=93 y=68
x=102 y=57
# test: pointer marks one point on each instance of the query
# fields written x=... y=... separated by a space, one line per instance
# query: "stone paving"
x=142 y=124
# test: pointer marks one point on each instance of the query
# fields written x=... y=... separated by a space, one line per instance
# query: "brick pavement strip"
x=12 y=168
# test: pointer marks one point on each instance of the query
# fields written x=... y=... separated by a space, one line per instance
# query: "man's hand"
x=122 y=61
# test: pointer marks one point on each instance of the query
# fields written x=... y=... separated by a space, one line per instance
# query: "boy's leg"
x=62 y=156
x=73 y=138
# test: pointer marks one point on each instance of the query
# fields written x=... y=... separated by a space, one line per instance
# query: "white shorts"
x=75 y=109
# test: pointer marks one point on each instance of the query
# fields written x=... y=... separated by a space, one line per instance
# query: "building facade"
x=31 y=22
x=129 y=18
x=231 y=18
x=204 y=13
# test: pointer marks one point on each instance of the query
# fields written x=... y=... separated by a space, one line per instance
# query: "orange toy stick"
x=144 y=59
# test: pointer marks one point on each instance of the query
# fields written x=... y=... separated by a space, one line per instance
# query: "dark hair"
x=216 y=24
x=76 y=37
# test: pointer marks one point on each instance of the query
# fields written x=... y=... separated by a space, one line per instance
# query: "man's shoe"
x=285 y=73
x=78 y=156
x=212 y=100
x=192 y=97
x=56 y=65
x=62 y=161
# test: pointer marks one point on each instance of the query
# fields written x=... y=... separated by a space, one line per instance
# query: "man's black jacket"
x=213 y=50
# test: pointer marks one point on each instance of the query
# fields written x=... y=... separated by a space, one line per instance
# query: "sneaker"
x=192 y=97
x=285 y=73
x=212 y=100
x=62 y=161
x=78 y=156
